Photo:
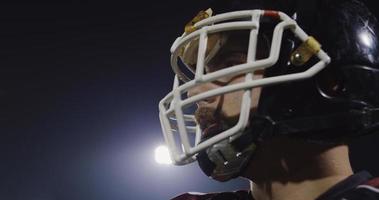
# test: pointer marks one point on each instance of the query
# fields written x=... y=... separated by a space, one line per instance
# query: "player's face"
x=219 y=113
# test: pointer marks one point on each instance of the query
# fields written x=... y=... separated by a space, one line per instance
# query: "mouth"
x=212 y=130
x=211 y=122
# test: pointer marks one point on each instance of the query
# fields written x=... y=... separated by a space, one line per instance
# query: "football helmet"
x=320 y=78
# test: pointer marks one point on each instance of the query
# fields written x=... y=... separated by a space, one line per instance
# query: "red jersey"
x=360 y=186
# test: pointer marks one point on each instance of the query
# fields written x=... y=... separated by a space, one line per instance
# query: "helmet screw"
x=297 y=59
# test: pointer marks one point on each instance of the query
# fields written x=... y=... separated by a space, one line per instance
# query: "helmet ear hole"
x=329 y=84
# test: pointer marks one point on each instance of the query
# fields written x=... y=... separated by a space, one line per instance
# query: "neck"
x=290 y=169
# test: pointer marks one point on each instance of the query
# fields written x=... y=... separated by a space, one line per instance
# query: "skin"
x=282 y=168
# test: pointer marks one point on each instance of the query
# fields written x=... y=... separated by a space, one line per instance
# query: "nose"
x=201 y=89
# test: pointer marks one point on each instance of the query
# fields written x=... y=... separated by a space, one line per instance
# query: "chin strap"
x=223 y=161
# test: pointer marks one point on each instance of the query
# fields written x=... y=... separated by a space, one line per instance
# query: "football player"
x=272 y=91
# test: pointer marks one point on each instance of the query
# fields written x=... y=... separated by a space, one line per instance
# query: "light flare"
x=162 y=155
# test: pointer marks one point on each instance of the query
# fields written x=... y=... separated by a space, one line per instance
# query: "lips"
x=212 y=130
x=210 y=122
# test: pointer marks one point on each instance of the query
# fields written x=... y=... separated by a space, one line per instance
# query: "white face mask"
x=197 y=48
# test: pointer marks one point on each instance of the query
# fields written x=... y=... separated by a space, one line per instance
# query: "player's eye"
x=226 y=60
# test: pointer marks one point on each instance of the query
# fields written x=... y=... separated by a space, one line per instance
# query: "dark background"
x=79 y=88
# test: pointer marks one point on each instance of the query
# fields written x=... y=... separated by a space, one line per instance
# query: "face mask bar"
x=172 y=105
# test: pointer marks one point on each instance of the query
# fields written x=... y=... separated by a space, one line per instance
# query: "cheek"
x=232 y=104
x=233 y=101
x=256 y=93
